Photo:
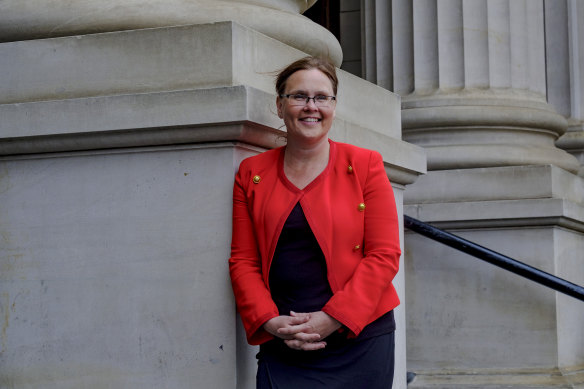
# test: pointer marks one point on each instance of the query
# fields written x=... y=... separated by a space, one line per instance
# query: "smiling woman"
x=315 y=247
x=307 y=124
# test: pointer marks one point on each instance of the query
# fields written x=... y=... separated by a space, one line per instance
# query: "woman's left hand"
x=320 y=323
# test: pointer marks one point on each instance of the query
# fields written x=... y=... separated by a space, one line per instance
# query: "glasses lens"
x=298 y=99
x=323 y=101
x=319 y=100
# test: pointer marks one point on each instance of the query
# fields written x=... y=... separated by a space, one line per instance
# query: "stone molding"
x=78 y=68
x=482 y=129
x=140 y=61
x=238 y=113
x=83 y=100
x=502 y=183
x=281 y=20
x=501 y=214
x=504 y=197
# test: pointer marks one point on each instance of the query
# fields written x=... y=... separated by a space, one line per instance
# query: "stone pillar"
x=475 y=93
x=120 y=135
x=565 y=70
x=472 y=76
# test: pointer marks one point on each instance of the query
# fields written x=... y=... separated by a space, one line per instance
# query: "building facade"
x=124 y=121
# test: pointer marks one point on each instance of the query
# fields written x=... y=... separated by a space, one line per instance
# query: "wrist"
x=270 y=327
x=334 y=322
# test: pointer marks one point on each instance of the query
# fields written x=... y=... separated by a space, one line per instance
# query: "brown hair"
x=307 y=63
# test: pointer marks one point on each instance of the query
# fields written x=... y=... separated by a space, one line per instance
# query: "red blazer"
x=360 y=242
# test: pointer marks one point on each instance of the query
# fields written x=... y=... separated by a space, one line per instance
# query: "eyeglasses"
x=300 y=99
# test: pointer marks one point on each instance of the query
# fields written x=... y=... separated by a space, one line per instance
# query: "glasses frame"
x=328 y=103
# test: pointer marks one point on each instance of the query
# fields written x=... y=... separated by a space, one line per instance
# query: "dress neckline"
x=313 y=183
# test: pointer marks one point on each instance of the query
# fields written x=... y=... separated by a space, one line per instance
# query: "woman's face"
x=307 y=123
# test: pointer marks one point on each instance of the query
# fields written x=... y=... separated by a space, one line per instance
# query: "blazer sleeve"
x=355 y=304
x=252 y=297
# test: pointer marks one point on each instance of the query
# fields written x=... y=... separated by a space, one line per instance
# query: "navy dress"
x=298 y=282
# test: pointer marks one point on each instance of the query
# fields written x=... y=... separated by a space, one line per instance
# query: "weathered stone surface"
x=108 y=278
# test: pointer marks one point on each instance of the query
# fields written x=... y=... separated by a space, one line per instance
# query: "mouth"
x=310 y=120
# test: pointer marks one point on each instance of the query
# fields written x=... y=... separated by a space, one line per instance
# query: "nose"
x=310 y=103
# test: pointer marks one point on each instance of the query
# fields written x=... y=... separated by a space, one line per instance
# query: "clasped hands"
x=303 y=331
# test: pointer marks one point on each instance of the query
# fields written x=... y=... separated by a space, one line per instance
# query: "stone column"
x=472 y=76
x=475 y=93
x=122 y=125
x=565 y=70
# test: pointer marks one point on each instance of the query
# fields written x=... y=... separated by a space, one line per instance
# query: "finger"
x=295 y=329
x=299 y=318
x=306 y=346
x=312 y=346
x=299 y=314
x=294 y=344
x=306 y=337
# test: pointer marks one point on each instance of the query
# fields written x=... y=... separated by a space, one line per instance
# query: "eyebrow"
x=303 y=92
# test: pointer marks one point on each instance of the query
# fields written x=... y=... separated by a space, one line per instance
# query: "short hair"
x=307 y=63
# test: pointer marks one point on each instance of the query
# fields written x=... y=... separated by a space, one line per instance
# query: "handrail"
x=494 y=258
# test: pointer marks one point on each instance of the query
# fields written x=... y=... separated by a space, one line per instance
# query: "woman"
x=315 y=247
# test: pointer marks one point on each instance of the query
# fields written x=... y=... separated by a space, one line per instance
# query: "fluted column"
x=280 y=19
x=565 y=70
x=471 y=74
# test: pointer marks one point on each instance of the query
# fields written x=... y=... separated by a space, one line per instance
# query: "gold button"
x=256 y=179
x=361 y=207
x=356 y=247
x=349 y=169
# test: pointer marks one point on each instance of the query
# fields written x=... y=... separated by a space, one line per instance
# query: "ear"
x=279 y=103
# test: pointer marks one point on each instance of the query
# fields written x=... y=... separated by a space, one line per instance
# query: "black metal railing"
x=494 y=258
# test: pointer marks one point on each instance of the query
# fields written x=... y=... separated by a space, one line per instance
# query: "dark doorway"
x=327 y=14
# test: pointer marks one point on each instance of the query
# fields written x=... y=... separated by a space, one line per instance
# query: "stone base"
x=471 y=324
x=518 y=379
x=485 y=128
x=108 y=277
